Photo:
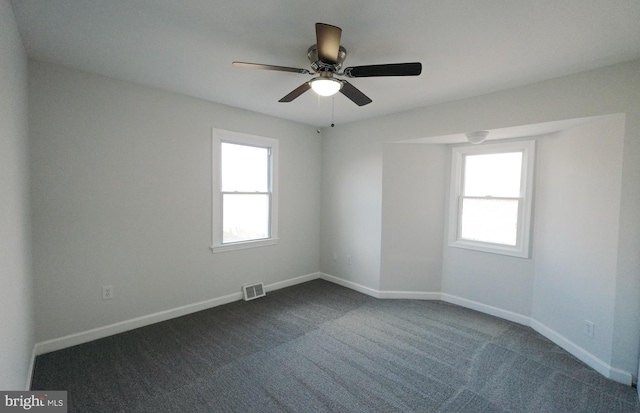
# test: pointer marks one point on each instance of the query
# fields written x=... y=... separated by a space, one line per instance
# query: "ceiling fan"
x=326 y=57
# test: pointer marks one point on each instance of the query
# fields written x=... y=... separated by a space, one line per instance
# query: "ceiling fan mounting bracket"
x=319 y=66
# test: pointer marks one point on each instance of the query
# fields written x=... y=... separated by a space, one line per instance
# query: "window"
x=245 y=177
x=491 y=194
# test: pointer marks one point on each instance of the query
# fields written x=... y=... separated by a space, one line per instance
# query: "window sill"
x=243 y=245
x=490 y=248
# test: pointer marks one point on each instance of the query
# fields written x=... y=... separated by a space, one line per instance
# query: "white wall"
x=16 y=322
x=351 y=206
x=413 y=188
x=121 y=195
x=577 y=211
x=484 y=279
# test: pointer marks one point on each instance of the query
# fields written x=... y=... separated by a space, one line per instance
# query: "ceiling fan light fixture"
x=326 y=86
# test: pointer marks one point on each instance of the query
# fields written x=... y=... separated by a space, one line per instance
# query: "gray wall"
x=16 y=322
x=508 y=284
x=121 y=196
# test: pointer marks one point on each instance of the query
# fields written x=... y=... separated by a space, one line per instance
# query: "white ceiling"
x=467 y=47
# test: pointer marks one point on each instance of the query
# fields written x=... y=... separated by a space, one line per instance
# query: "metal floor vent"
x=253 y=291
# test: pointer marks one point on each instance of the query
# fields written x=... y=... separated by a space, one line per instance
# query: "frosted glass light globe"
x=326 y=87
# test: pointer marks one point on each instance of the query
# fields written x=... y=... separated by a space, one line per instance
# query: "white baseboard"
x=122 y=326
x=292 y=281
x=408 y=295
x=32 y=364
x=398 y=295
x=620 y=376
x=583 y=355
x=350 y=284
x=487 y=309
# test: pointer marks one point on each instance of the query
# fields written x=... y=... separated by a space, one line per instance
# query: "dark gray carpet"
x=319 y=347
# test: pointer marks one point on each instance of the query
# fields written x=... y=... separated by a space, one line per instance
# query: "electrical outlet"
x=107 y=292
x=588 y=328
x=349 y=262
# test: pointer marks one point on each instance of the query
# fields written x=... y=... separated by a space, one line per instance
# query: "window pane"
x=245 y=217
x=490 y=220
x=244 y=168
x=496 y=174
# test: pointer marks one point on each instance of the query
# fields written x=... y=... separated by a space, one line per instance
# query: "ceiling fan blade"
x=270 y=67
x=296 y=92
x=328 y=42
x=354 y=94
x=392 y=69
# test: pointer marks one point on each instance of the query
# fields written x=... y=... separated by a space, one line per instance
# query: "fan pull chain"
x=333 y=107
x=318 y=97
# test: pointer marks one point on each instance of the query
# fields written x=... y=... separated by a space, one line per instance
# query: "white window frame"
x=523 y=237
x=218 y=137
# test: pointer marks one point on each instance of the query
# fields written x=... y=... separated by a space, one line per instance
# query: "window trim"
x=523 y=238
x=218 y=137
